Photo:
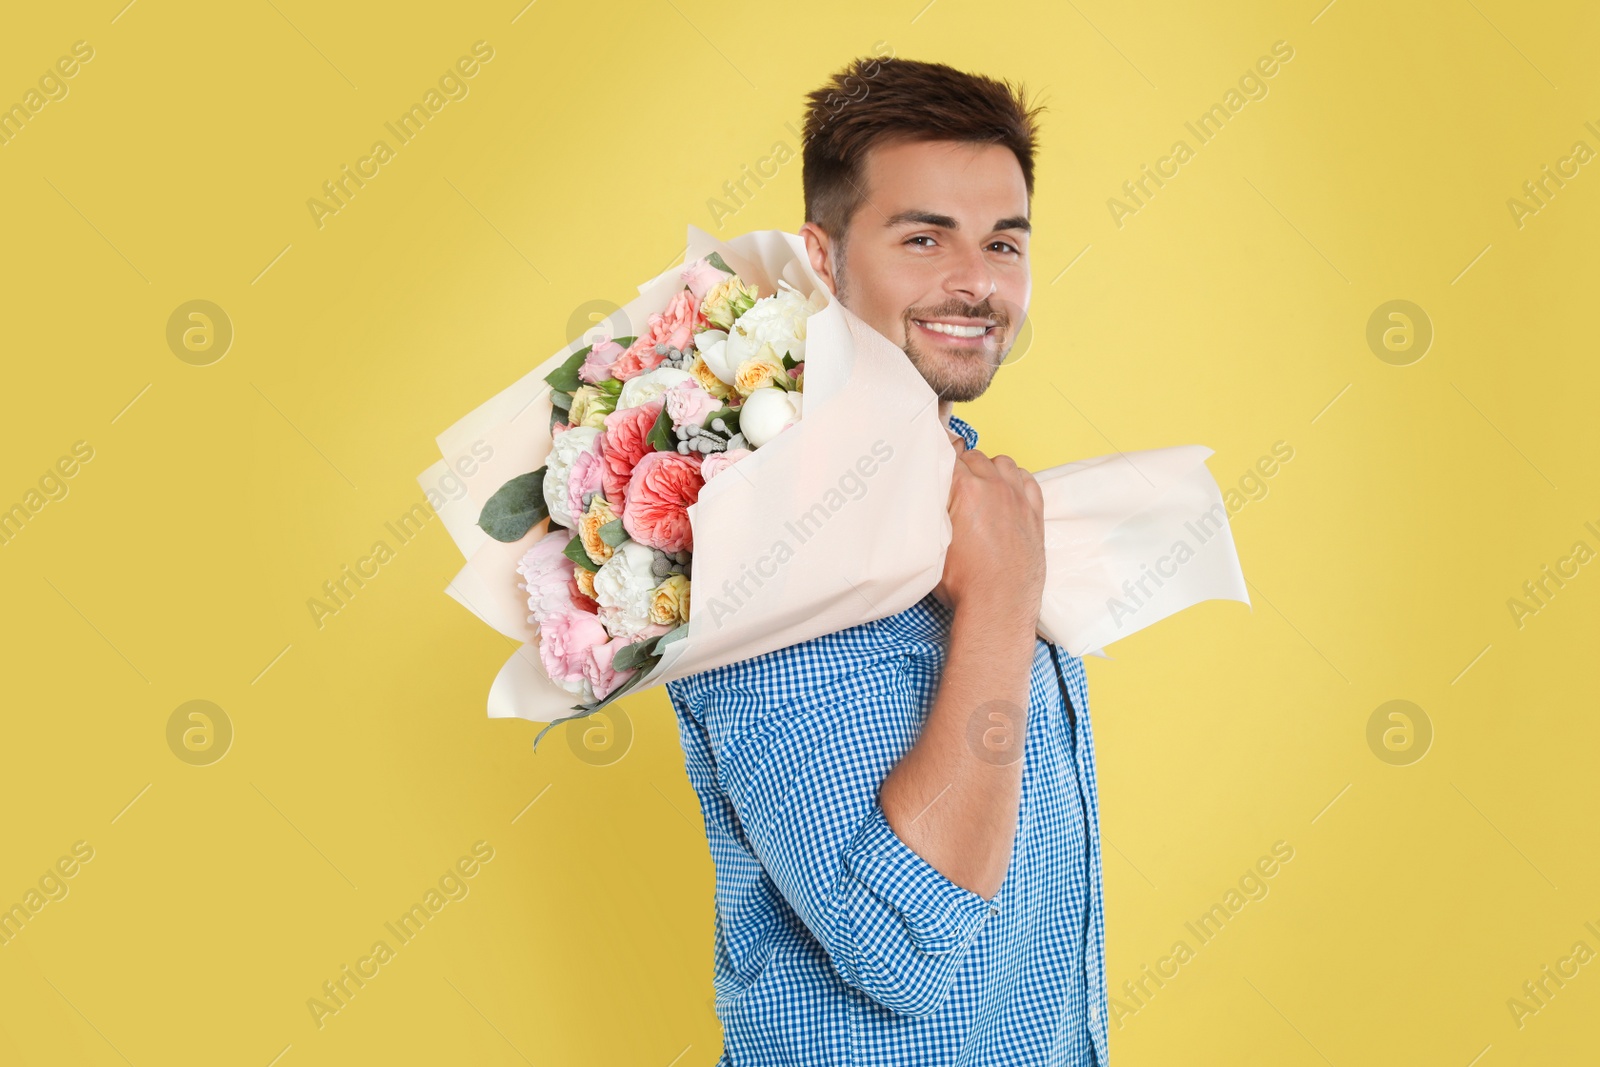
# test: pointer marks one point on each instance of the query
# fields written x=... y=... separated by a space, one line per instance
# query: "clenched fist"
x=996 y=554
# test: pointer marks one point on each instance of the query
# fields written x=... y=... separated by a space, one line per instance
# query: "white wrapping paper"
x=841 y=519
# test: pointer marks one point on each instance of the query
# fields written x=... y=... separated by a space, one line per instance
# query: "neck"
x=946 y=409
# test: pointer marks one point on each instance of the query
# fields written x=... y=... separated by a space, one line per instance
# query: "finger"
x=1035 y=494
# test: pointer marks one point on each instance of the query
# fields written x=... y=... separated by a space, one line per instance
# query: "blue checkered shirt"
x=836 y=943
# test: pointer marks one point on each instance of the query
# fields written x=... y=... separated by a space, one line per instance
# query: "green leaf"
x=557 y=418
x=515 y=508
x=677 y=633
x=625 y=342
x=660 y=436
x=789 y=362
x=565 y=377
x=716 y=261
x=583 y=712
x=575 y=552
x=609 y=386
x=630 y=655
x=561 y=399
x=613 y=534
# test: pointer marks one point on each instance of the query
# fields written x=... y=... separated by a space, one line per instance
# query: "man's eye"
x=1006 y=244
x=919 y=237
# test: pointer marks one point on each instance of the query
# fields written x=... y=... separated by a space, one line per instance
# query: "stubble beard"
x=955 y=376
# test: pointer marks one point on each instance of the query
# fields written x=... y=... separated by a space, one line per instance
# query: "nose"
x=970 y=278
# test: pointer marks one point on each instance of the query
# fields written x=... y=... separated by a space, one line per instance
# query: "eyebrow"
x=931 y=218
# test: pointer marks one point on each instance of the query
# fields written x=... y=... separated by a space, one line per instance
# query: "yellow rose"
x=590 y=406
x=708 y=379
x=759 y=371
x=589 y=524
x=727 y=300
x=669 y=603
x=585 y=581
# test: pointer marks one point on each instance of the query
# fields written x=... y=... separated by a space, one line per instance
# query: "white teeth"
x=954 y=331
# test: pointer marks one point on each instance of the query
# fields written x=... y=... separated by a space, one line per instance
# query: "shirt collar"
x=964 y=428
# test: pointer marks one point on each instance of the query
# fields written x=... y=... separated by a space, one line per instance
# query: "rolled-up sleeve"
x=803 y=775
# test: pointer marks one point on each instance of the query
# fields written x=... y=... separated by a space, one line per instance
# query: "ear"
x=819 y=249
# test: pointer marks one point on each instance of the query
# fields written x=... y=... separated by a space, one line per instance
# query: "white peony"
x=766 y=413
x=778 y=320
x=567 y=447
x=624 y=587
x=643 y=388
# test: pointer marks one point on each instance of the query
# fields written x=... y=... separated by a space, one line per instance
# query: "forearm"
x=954 y=796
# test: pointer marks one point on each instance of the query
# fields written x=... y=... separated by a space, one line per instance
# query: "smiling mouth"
x=962 y=335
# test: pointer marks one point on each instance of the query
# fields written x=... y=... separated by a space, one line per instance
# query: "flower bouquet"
x=669 y=456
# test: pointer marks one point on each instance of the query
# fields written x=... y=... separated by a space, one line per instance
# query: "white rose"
x=778 y=320
x=713 y=348
x=766 y=413
x=624 y=587
x=643 y=388
x=566 y=448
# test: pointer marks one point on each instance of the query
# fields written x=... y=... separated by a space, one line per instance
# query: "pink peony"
x=584 y=476
x=701 y=277
x=597 y=667
x=660 y=491
x=597 y=364
x=548 y=575
x=679 y=322
x=624 y=441
x=688 y=403
x=717 y=462
x=565 y=642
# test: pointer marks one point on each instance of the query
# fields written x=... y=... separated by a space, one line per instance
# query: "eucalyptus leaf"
x=613 y=534
x=629 y=656
x=561 y=399
x=677 y=633
x=515 y=508
x=583 y=712
x=716 y=261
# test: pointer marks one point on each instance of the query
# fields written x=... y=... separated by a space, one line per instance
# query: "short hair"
x=874 y=101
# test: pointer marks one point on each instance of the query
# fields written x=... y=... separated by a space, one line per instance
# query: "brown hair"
x=872 y=101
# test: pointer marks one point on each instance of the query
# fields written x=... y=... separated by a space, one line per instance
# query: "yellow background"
x=1231 y=310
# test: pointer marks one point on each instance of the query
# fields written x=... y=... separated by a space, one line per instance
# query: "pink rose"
x=597 y=668
x=597 y=364
x=717 y=462
x=565 y=642
x=701 y=277
x=548 y=576
x=679 y=322
x=583 y=476
x=688 y=403
x=624 y=440
x=660 y=491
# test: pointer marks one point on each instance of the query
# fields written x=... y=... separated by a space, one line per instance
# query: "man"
x=903 y=814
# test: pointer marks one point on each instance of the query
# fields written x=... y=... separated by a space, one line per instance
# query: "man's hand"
x=997 y=534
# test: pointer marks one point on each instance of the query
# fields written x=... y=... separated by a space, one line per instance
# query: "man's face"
x=941 y=239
